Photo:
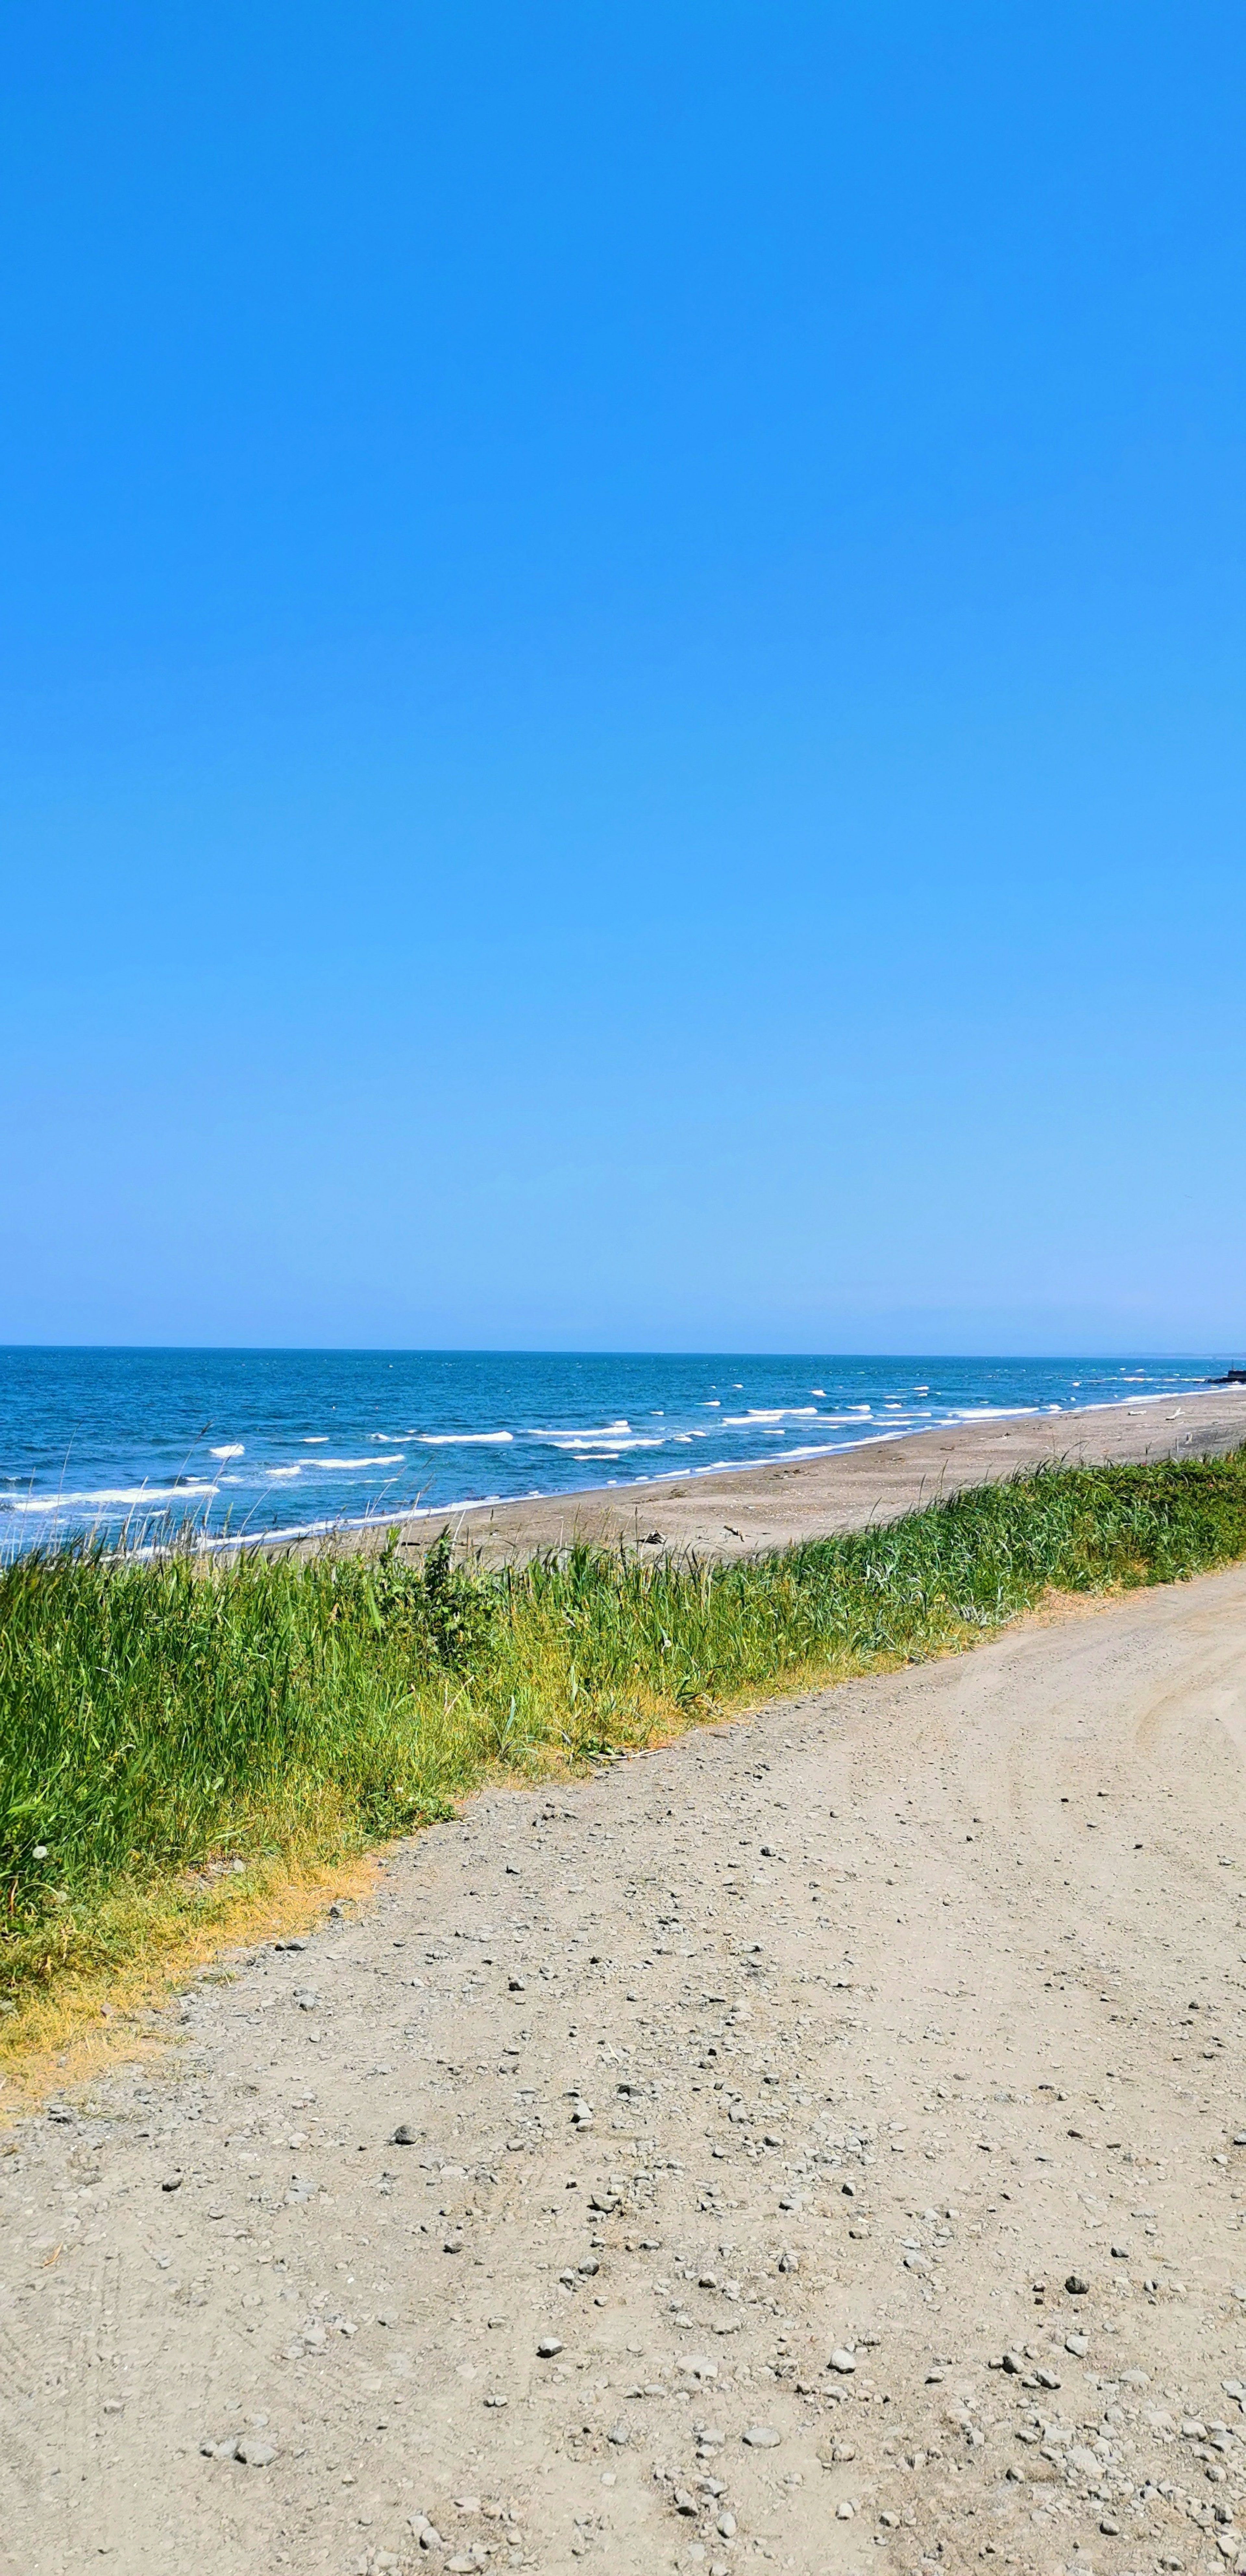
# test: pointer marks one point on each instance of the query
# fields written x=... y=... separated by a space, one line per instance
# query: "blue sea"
x=245 y=1442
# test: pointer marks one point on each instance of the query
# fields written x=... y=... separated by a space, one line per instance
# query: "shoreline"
x=879 y=1477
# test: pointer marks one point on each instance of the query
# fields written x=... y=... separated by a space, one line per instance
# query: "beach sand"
x=743 y=1511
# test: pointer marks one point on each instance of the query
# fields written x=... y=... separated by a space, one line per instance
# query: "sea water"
x=244 y=1442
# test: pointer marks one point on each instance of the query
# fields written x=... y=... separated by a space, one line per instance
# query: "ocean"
x=240 y=1443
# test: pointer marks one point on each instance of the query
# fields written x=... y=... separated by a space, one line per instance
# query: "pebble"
x=254 y=2453
x=403 y=2136
x=1076 y=2286
x=761 y=2437
x=1078 y=2344
x=843 y=2360
x=619 y=2434
x=726 y=2526
x=547 y=2347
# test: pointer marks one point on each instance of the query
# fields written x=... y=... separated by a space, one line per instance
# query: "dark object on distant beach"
x=1232 y=1377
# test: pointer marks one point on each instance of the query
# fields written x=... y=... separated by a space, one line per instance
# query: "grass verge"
x=168 y=1733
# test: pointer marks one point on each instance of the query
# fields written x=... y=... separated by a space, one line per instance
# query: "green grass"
x=155 y=1716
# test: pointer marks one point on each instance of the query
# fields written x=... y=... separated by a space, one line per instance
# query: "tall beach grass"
x=159 y=1717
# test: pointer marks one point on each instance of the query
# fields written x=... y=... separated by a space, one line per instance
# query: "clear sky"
x=622 y=660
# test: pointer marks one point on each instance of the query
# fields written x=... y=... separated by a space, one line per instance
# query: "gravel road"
x=819 y=2143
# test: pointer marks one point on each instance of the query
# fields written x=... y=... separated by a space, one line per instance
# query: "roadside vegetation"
x=173 y=1727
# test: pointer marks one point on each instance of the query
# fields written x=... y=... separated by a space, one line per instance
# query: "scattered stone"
x=726 y=2526
x=1077 y=2288
x=403 y=2136
x=254 y=2453
x=547 y=2347
x=761 y=2437
x=172 y=2182
x=619 y=2434
x=1078 y=2345
x=684 y=2503
x=843 y=2360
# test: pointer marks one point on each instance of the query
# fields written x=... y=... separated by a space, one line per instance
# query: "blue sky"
x=622 y=656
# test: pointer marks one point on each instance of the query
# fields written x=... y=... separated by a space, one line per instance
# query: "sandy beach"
x=817 y=2144
x=743 y=1511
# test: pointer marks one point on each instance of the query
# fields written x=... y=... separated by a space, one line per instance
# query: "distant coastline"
x=250 y=1446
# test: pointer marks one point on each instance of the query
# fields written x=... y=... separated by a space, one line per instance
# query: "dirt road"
x=761 y=2098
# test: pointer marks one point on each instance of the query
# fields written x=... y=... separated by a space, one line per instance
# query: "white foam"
x=759 y=1414
x=586 y=1444
x=231 y=1449
x=462 y=1439
x=103 y=1498
x=315 y=1440
x=594 y=1431
x=354 y=1466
